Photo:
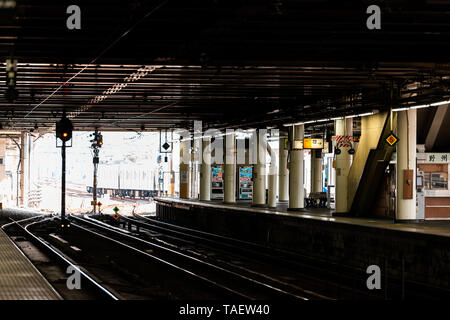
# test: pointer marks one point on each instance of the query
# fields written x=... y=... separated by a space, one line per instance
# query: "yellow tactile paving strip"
x=19 y=279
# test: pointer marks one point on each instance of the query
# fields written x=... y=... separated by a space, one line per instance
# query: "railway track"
x=52 y=263
x=142 y=258
x=247 y=259
x=311 y=276
x=329 y=279
x=240 y=284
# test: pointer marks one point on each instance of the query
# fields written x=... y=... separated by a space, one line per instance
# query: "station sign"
x=433 y=157
x=313 y=143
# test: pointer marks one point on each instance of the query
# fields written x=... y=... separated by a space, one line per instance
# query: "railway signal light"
x=97 y=142
x=11 y=93
x=64 y=129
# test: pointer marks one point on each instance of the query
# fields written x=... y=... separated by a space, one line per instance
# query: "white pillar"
x=259 y=178
x=22 y=169
x=205 y=171
x=272 y=194
x=283 y=172
x=406 y=160
x=343 y=127
x=195 y=170
x=316 y=171
x=230 y=169
x=296 y=174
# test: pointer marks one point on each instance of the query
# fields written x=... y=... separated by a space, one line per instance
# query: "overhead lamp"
x=422 y=106
x=400 y=109
x=439 y=103
x=365 y=114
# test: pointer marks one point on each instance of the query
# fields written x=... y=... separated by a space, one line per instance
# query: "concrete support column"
x=343 y=127
x=3 y=142
x=184 y=168
x=259 y=175
x=22 y=170
x=283 y=173
x=3 y=196
x=406 y=165
x=316 y=171
x=205 y=171
x=229 y=180
x=273 y=178
x=195 y=170
x=296 y=174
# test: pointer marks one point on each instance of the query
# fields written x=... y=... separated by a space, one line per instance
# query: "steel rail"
x=64 y=259
x=88 y=220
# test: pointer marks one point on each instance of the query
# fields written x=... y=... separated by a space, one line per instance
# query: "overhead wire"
x=98 y=56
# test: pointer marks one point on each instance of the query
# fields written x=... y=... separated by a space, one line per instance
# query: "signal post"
x=97 y=143
x=64 y=130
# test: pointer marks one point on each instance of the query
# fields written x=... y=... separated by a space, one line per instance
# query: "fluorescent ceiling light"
x=421 y=106
x=439 y=103
x=365 y=114
x=400 y=109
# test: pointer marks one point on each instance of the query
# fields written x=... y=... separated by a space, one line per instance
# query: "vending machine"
x=217 y=182
x=245 y=182
x=420 y=196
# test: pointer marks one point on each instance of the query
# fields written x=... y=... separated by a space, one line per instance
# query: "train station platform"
x=422 y=249
x=19 y=278
x=432 y=227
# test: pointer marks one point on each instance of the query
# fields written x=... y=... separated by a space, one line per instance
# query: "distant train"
x=126 y=181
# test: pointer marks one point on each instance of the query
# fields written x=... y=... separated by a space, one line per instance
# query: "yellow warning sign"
x=116 y=216
x=391 y=139
x=312 y=143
